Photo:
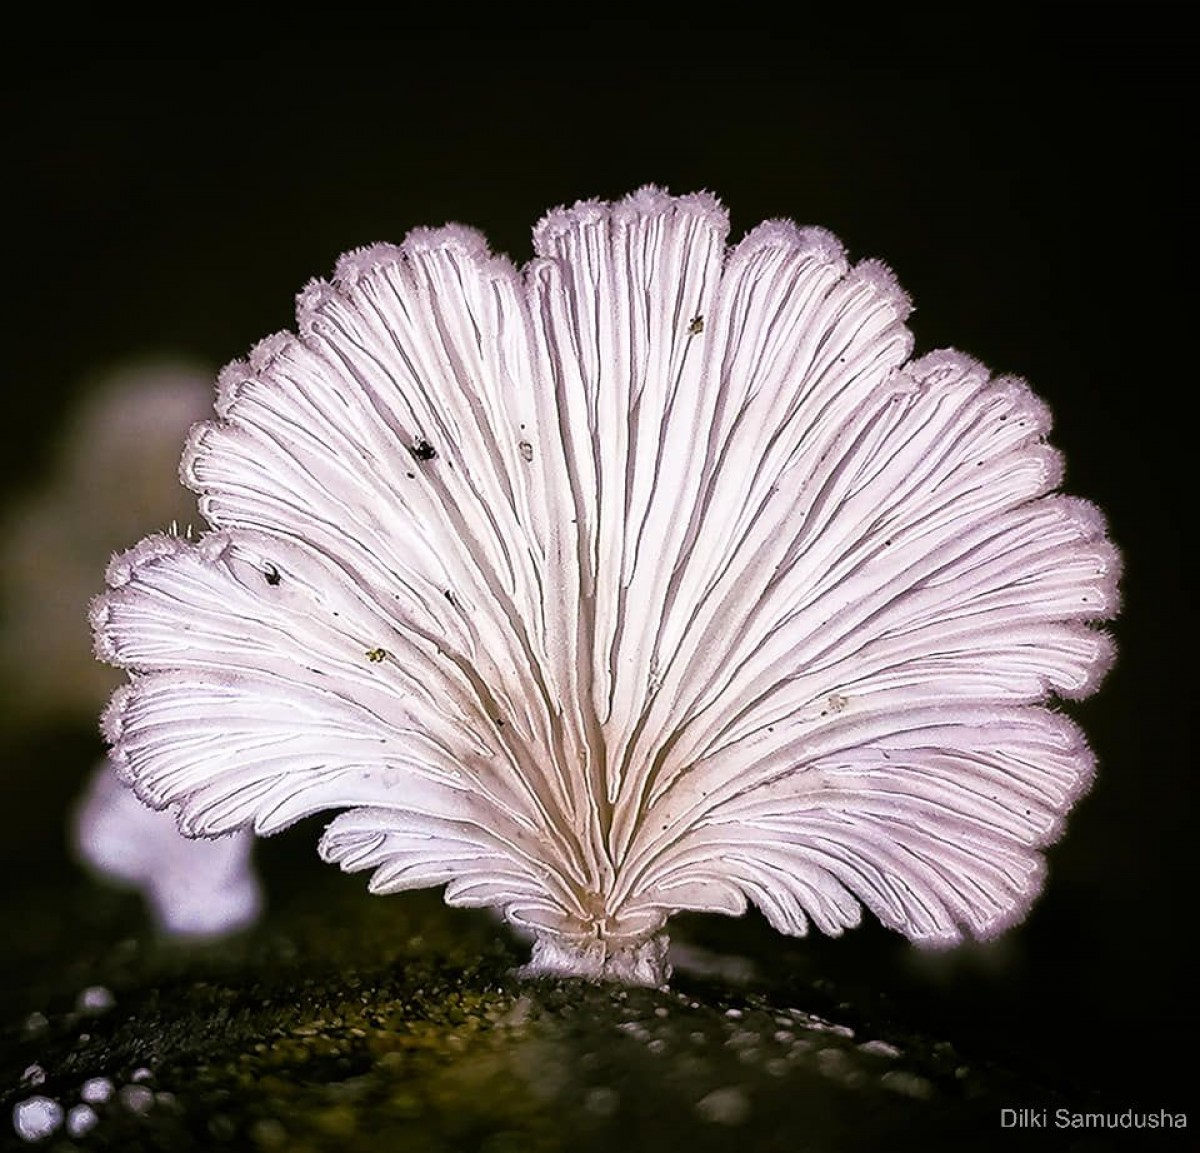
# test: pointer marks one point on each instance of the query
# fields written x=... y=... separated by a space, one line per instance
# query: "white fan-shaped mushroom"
x=653 y=577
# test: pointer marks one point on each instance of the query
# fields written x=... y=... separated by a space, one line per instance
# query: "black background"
x=1026 y=184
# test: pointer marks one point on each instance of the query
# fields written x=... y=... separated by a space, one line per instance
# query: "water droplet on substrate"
x=136 y=1098
x=95 y=999
x=96 y=1090
x=81 y=1120
x=36 y=1118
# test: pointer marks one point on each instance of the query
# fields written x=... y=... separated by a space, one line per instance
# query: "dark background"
x=1025 y=184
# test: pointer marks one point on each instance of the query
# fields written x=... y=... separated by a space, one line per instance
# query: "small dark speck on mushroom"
x=376 y=655
x=271 y=573
x=423 y=450
x=695 y=325
x=526 y=450
x=450 y=597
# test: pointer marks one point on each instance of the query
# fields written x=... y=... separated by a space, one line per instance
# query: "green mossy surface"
x=346 y=1022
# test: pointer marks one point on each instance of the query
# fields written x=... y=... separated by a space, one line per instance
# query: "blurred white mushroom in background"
x=113 y=472
x=194 y=888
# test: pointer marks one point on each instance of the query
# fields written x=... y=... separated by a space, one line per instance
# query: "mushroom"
x=655 y=576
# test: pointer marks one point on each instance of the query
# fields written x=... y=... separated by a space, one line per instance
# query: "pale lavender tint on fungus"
x=653 y=576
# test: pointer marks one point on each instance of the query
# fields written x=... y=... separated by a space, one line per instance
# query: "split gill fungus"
x=654 y=576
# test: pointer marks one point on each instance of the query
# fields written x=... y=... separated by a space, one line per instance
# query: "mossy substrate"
x=353 y=1023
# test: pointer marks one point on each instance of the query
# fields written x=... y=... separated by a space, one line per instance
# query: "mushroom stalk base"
x=642 y=962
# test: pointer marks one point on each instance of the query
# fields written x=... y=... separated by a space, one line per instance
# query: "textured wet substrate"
x=354 y=1023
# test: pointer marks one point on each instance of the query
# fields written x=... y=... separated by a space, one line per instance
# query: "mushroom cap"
x=653 y=576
